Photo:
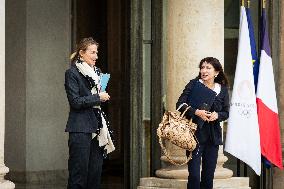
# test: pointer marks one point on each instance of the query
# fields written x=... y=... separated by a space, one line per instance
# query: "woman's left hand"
x=213 y=116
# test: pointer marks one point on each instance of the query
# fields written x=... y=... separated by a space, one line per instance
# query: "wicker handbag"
x=179 y=131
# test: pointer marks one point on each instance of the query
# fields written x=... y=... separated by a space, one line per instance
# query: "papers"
x=104 y=81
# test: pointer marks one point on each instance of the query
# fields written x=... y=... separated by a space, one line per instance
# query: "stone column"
x=3 y=169
x=278 y=175
x=221 y=172
x=195 y=30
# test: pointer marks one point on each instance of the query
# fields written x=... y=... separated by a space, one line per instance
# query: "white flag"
x=242 y=139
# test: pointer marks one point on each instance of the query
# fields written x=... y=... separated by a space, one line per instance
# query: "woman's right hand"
x=203 y=114
x=104 y=96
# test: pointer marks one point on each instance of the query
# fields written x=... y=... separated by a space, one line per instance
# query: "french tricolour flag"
x=267 y=104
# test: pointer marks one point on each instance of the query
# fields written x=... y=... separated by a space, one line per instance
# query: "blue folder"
x=104 y=81
x=200 y=97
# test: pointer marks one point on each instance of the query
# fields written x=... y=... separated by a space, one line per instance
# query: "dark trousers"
x=85 y=161
x=209 y=154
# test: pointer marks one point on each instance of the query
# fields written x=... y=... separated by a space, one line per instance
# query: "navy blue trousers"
x=85 y=161
x=208 y=152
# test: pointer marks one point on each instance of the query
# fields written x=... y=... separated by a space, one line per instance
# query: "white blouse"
x=217 y=87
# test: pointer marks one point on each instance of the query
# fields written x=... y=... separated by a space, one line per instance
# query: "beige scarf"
x=103 y=137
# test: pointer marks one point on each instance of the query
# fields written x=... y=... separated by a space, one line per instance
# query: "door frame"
x=136 y=85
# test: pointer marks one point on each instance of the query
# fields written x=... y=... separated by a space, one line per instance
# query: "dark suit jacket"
x=81 y=116
x=220 y=105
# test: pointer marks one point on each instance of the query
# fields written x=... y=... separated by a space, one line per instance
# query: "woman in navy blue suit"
x=82 y=85
x=209 y=133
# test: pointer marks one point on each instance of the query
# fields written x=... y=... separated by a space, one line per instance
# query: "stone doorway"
x=106 y=21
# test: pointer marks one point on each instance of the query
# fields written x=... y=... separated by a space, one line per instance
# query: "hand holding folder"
x=200 y=98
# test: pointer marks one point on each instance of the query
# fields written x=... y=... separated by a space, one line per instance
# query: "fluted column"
x=195 y=30
x=221 y=172
x=4 y=184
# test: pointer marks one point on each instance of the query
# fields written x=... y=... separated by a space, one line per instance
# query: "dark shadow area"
x=107 y=22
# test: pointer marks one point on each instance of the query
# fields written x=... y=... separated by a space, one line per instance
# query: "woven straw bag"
x=179 y=131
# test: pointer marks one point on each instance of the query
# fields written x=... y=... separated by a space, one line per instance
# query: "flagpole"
x=243 y=3
x=248 y=3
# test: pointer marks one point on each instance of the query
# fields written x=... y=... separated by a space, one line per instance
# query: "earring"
x=216 y=75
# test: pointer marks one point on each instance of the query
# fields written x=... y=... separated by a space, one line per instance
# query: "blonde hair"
x=82 y=45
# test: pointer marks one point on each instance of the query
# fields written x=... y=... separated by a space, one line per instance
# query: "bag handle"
x=187 y=108
x=169 y=157
x=185 y=111
x=182 y=106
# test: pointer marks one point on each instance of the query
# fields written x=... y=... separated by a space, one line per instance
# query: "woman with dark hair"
x=87 y=125
x=207 y=96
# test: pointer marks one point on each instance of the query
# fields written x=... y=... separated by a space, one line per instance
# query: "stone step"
x=233 y=182
x=232 y=188
x=145 y=187
x=155 y=183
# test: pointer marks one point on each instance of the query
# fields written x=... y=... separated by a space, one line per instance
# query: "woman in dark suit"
x=85 y=121
x=208 y=116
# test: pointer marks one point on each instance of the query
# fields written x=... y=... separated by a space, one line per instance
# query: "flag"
x=242 y=139
x=267 y=109
x=255 y=60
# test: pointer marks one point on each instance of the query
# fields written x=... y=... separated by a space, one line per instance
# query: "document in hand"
x=200 y=97
x=104 y=80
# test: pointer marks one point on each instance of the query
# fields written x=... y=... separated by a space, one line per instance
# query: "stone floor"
x=108 y=182
x=35 y=186
x=111 y=179
x=61 y=186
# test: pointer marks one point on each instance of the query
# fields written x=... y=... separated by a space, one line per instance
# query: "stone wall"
x=37 y=55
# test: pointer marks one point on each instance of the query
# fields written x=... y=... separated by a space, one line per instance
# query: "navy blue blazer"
x=211 y=130
x=78 y=89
